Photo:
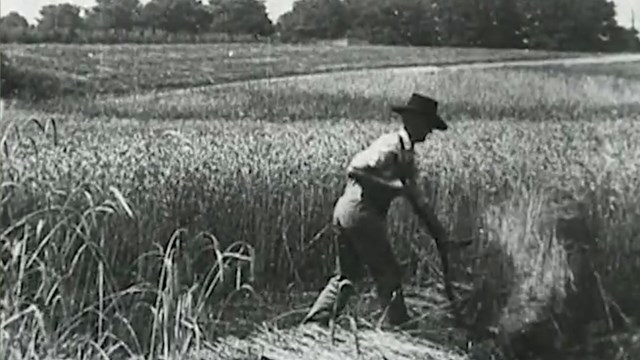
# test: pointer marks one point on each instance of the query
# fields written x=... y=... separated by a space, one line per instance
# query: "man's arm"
x=418 y=200
x=365 y=175
x=421 y=207
x=374 y=166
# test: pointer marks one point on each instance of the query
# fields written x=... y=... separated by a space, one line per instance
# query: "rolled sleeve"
x=381 y=158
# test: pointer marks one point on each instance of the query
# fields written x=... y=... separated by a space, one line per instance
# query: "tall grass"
x=273 y=187
x=630 y=70
x=90 y=210
x=73 y=287
x=478 y=94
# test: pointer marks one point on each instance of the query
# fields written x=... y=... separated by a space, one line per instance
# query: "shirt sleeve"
x=381 y=159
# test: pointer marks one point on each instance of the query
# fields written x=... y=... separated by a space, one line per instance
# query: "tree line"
x=578 y=25
x=132 y=21
x=585 y=25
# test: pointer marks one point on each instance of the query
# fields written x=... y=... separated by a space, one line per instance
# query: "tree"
x=13 y=27
x=320 y=19
x=175 y=16
x=407 y=22
x=585 y=25
x=121 y=15
x=240 y=17
x=486 y=23
x=449 y=22
x=60 y=20
x=151 y=14
x=467 y=21
x=595 y=26
x=60 y=17
x=508 y=27
x=13 y=20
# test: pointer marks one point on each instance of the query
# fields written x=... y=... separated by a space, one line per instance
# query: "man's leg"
x=378 y=255
x=349 y=269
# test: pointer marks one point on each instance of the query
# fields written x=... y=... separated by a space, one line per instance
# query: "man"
x=376 y=176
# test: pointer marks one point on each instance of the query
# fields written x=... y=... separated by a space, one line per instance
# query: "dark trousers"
x=364 y=247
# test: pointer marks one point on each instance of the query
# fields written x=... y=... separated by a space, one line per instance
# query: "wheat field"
x=128 y=221
x=127 y=68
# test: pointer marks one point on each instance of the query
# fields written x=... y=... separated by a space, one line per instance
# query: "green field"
x=116 y=219
x=130 y=68
x=517 y=94
x=623 y=71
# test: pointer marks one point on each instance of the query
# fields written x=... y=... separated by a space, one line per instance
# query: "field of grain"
x=131 y=68
x=617 y=70
x=510 y=94
x=117 y=229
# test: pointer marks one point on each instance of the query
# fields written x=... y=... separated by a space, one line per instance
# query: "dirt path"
x=604 y=59
x=415 y=69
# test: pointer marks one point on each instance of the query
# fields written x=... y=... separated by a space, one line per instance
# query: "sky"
x=30 y=8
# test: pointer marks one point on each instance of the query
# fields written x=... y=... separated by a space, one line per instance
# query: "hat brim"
x=438 y=122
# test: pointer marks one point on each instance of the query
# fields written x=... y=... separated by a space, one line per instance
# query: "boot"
x=331 y=301
x=397 y=312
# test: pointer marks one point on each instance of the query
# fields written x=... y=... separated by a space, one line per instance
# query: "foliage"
x=13 y=21
x=117 y=15
x=63 y=23
x=61 y=17
x=190 y=16
x=551 y=24
x=566 y=24
x=240 y=17
x=34 y=84
x=404 y=22
x=325 y=19
x=547 y=24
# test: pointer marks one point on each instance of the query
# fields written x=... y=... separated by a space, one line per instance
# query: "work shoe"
x=331 y=301
x=396 y=312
